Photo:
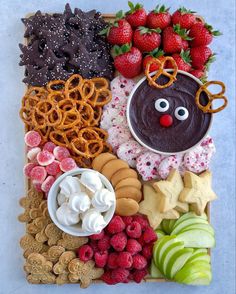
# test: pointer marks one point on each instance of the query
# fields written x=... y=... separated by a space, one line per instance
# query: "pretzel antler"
x=211 y=97
x=152 y=79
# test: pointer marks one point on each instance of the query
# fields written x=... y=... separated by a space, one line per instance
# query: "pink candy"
x=61 y=153
x=67 y=164
x=43 y=168
x=32 y=139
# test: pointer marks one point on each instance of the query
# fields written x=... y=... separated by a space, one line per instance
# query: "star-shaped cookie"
x=197 y=191
x=169 y=190
x=150 y=206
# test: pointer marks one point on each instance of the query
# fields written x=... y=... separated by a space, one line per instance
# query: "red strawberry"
x=127 y=60
x=120 y=32
x=185 y=44
x=202 y=34
x=146 y=39
x=173 y=38
x=157 y=53
x=184 y=17
x=183 y=60
x=159 y=18
x=200 y=56
x=197 y=73
x=136 y=16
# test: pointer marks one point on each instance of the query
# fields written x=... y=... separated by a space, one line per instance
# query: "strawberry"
x=202 y=34
x=201 y=56
x=185 y=44
x=136 y=16
x=184 y=17
x=157 y=53
x=200 y=74
x=159 y=18
x=174 y=39
x=120 y=32
x=127 y=60
x=183 y=60
x=146 y=39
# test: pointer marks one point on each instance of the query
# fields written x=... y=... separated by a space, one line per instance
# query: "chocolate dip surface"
x=182 y=134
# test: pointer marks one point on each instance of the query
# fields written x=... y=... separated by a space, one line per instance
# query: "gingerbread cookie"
x=61 y=267
x=71 y=242
x=39 y=269
x=83 y=272
x=54 y=253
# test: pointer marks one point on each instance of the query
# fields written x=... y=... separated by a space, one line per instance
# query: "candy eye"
x=181 y=113
x=161 y=105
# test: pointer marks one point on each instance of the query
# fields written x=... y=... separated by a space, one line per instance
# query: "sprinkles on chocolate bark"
x=60 y=45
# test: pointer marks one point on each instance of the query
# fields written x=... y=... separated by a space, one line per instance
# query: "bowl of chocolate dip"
x=168 y=121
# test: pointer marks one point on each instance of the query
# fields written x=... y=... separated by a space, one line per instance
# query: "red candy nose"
x=166 y=120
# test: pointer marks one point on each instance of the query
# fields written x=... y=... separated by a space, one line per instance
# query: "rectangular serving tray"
x=108 y=17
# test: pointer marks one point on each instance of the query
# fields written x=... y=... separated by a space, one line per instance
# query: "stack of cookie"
x=124 y=180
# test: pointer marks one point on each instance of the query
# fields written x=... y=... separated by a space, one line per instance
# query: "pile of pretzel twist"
x=68 y=113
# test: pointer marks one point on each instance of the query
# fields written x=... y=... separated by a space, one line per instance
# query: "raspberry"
x=138 y=275
x=116 y=225
x=134 y=230
x=124 y=259
x=104 y=243
x=119 y=275
x=139 y=262
x=142 y=220
x=147 y=251
x=97 y=236
x=149 y=235
x=118 y=241
x=141 y=241
x=133 y=246
x=112 y=260
x=106 y=277
x=85 y=252
x=94 y=245
x=127 y=220
x=101 y=258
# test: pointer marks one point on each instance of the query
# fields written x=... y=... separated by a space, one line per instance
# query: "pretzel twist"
x=208 y=108
x=152 y=79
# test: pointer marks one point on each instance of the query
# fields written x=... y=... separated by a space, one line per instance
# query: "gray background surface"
x=221 y=14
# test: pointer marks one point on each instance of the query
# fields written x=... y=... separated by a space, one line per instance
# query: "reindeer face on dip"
x=168 y=120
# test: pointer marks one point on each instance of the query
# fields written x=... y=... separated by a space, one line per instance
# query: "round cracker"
x=123 y=174
x=129 y=192
x=126 y=207
x=99 y=162
x=133 y=182
x=112 y=166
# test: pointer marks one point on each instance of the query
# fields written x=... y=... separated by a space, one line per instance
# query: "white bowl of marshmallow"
x=81 y=202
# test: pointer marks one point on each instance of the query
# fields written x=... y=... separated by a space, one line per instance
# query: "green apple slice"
x=185 y=274
x=169 y=252
x=165 y=226
x=154 y=271
x=171 y=224
x=161 y=246
x=187 y=222
x=200 y=226
x=197 y=239
x=189 y=215
x=159 y=233
x=200 y=278
x=202 y=256
x=177 y=261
